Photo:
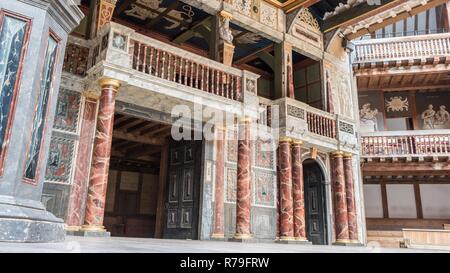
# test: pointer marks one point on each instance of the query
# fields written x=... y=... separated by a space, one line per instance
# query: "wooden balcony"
x=408 y=145
x=422 y=49
x=314 y=126
x=148 y=64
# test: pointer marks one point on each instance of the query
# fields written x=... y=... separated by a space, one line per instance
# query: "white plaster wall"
x=401 y=201
x=372 y=201
x=435 y=201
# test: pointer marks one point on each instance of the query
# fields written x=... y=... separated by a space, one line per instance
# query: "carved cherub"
x=428 y=117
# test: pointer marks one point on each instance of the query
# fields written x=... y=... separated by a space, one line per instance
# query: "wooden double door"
x=183 y=190
x=315 y=206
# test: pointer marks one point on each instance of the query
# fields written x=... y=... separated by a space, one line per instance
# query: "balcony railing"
x=406 y=144
x=321 y=123
x=170 y=65
x=420 y=47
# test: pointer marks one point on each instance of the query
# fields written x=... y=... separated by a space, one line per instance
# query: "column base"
x=243 y=238
x=347 y=243
x=90 y=231
x=218 y=237
x=30 y=223
x=293 y=241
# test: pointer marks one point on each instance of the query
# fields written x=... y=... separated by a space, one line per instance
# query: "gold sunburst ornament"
x=397 y=104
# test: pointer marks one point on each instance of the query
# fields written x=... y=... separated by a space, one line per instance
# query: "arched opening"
x=315 y=202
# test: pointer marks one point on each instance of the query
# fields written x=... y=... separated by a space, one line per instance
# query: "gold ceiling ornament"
x=306 y=17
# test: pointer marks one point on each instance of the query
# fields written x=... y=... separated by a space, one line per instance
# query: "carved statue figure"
x=428 y=117
x=442 y=116
x=368 y=117
x=224 y=29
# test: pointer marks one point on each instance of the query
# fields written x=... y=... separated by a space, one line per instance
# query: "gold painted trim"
x=285 y=139
x=337 y=154
x=91 y=95
x=287 y=238
x=245 y=119
x=218 y=236
x=344 y=241
x=348 y=155
x=226 y=14
x=240 y=236
x=297 y=142
x=73 y=228
x=105 y=82
x=92 y=228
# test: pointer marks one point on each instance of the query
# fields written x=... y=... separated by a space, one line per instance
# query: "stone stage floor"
x=74 y=244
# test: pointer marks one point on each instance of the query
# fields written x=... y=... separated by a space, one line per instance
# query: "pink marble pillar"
x=298 y=191
x=340 y=201
x=243 y=194
x=219 y=232
x=286 y=203
x=81 y=178
x=95 y=203
x=350 y=195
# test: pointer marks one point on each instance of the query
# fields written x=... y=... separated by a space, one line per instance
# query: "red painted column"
x=286 y=203
x=298 y=191
x=243 y=194
x=219 y=232
x=81 y=178
x=340 y=201
x=95 y=203
x=350 y=195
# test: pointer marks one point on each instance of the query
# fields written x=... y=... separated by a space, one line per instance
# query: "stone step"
x=384 y=233
x=385 y=238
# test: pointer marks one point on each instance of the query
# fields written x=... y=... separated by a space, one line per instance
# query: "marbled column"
x=286 y=203
x=95 y=203
x=243 y=194
x=350 y=195
x=340 y=201
x=81 y=178
x=298 y=191
x=218 y=232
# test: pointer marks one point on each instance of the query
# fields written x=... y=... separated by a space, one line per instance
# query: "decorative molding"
x=306 y=17
x=346 y=127
x=295 y=112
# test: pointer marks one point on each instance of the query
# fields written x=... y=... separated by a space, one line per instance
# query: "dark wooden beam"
x=125 y=4
x=137 y=138
x=357 y=14
x=190 y=32
x=163 y=166
x=253 y=56
x=393 y=20
x=151 y=22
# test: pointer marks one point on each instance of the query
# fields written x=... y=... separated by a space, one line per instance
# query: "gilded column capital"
x=90 y=94
x=108 y=82
x=347 y=155
x=297 y=142
x=337 y=154
x=285 y=139
x=245 y=119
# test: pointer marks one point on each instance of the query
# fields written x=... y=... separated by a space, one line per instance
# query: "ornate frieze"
x=67 y=111
x=264 y=154
x=295 y=112
x=346 y=127
x=306 y=17
x=59 y=164
x=264 y=194
x=231 y=174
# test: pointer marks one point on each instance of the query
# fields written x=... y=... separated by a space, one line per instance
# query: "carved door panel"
x=183 y=183
x=315 y=204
